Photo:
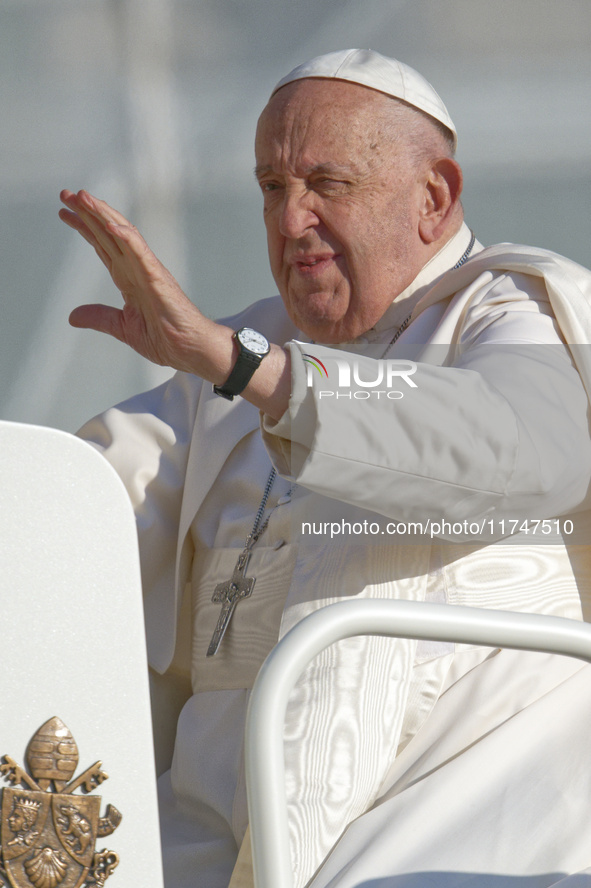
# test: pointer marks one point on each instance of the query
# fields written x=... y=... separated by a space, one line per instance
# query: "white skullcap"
x=369 y=68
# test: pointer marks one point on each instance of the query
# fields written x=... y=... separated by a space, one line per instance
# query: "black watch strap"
x=240 y=375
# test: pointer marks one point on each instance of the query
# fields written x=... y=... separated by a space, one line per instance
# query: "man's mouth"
x=313 y=264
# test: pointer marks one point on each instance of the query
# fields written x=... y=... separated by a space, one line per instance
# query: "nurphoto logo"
x=361 y=379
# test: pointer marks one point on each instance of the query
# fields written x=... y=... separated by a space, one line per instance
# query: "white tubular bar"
x=265 y=765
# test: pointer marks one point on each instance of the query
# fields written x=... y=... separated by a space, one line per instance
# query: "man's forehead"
x=331 y=105
x=319 y=90
x=326 y=124
x=309 y=166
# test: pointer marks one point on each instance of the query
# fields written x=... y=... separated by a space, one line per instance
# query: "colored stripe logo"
x=317 y=363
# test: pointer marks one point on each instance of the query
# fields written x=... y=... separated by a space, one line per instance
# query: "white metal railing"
x=265 y=765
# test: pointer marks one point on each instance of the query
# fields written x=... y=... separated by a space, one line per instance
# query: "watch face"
x=253 y=341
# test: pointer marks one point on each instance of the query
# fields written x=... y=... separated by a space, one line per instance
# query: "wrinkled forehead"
x=305 y=95
x=330 y=112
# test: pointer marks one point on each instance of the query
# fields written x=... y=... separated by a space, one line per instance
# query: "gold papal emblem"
x=48 y=835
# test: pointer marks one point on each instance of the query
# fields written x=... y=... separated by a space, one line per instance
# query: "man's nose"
x=298 y=213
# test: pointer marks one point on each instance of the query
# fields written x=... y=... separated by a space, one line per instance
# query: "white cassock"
x=449 y=766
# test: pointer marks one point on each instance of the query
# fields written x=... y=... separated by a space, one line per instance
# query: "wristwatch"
x=252 y=348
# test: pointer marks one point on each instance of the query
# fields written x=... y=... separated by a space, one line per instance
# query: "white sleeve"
x=147 y=440
x=496 y=425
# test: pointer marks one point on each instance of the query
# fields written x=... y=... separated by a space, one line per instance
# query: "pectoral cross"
x=230 y=593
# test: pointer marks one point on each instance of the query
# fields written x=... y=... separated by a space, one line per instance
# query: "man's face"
x=341 y=206
x=16 y=821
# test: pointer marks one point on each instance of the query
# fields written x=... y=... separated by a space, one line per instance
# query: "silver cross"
x=230 y=593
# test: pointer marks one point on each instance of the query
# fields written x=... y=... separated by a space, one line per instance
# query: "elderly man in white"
x=407 y=764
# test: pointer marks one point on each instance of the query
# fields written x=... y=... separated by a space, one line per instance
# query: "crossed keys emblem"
x=48 y=836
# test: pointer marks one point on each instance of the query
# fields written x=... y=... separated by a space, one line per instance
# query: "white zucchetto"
x=371 y=69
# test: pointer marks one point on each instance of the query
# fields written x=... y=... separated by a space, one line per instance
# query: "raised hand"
x=157 y=319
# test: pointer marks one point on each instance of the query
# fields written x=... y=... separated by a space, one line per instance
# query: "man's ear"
x=441 y=196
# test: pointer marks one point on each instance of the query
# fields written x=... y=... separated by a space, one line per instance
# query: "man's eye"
x=269 y=186
x=328 y=184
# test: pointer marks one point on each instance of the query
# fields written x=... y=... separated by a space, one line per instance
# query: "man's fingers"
x=144 y=264
x=74 y=221
x=110 y=232
x=102 y=318
x=95 y=215
x=102 y=209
